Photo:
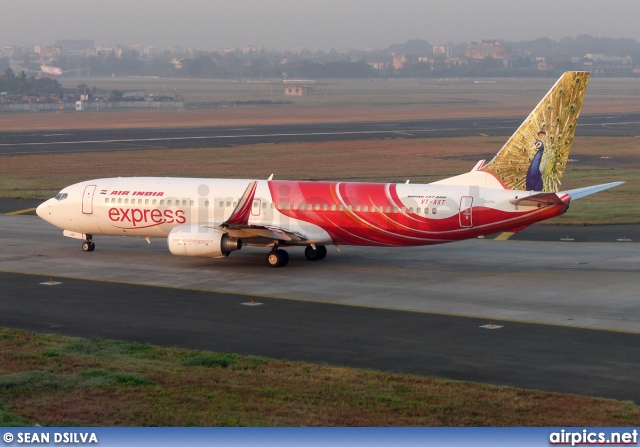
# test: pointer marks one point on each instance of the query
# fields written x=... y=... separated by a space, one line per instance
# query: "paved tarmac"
x=570 y=311
x=93 y=140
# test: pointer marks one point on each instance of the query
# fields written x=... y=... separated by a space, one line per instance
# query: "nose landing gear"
x=88 y=245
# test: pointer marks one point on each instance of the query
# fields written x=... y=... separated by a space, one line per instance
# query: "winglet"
x=242 y=211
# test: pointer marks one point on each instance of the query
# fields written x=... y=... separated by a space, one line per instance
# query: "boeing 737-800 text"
x=213 y=217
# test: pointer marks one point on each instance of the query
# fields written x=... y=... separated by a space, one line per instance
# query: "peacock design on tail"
x=535 y=157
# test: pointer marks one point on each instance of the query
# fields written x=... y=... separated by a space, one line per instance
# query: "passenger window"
x=234 y=204
x=295 y=206
x=365 y=208
x=221 y=204
x=333 y=207
x=325 y=207
x=341 y=208
x=273 y=205
x=395 y=209
x=168 y=202
x=434 y=211
x=403 y=209
x=184 y=203
x=264 y=206
x=190 y=202
x=206 y=203
x=154 y=201
x=146 y=201
x=228 y=204
x=279 y=206
x=349 y=207
x=119 y=200
x=126 y=201
x=106 y=200
x=317 y=207
x=418 y=210
x=411 y=209
x=357 y=208
x=161 y=202
x=287 y=206
x=388 y=209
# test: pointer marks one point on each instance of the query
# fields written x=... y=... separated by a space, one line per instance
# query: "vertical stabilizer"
x=535 y=157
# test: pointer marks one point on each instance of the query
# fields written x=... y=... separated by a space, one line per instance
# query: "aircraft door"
x=255 y=207
x=87 y=199
x=466 y=212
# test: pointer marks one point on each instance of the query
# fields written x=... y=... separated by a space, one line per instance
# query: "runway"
x=94 y=140
x=570 y=312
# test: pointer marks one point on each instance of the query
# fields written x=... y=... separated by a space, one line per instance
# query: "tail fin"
x=535 y=157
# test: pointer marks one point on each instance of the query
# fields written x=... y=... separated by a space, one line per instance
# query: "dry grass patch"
x=419 y=160
x=338 y=101
x=54 y=380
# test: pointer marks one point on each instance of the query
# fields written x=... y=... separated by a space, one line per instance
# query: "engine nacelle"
x=194 y=240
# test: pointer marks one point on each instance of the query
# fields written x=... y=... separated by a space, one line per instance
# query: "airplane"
x=53 y=71
x=211 y=218
x=56 y=71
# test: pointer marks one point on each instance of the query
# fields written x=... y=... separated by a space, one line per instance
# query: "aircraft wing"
x=587 y=191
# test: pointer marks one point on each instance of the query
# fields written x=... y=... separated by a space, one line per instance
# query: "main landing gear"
x=88 y=245
x=279 y=257
x=317 y=254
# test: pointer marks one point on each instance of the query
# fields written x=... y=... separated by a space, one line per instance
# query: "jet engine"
x=194 y=240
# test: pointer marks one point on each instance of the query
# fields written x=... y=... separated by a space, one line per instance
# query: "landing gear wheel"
x=315 y=255
x=277 y=258
x=88 y=246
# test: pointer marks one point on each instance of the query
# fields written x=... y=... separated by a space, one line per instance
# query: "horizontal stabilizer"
x=583 y=192
x=543 y=198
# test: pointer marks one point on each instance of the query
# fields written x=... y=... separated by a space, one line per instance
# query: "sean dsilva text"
x=58 y=438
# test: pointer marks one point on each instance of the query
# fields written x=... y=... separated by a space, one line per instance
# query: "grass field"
x=53 y=380
x=420 y=160
x=225 y=102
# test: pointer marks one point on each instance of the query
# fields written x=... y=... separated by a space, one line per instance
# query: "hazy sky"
x=314 y=24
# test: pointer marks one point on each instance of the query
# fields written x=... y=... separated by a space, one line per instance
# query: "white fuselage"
x=321 y=212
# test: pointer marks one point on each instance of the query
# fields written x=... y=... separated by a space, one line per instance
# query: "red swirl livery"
x=214 y=217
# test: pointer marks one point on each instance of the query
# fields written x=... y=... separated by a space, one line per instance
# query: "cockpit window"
x=61 y=196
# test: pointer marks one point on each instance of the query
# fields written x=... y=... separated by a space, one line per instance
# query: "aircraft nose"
x=42 y=210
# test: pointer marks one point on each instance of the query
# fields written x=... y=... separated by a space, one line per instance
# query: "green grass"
x=59 y=381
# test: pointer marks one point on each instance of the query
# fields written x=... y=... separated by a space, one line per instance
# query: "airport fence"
x=71 y=106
